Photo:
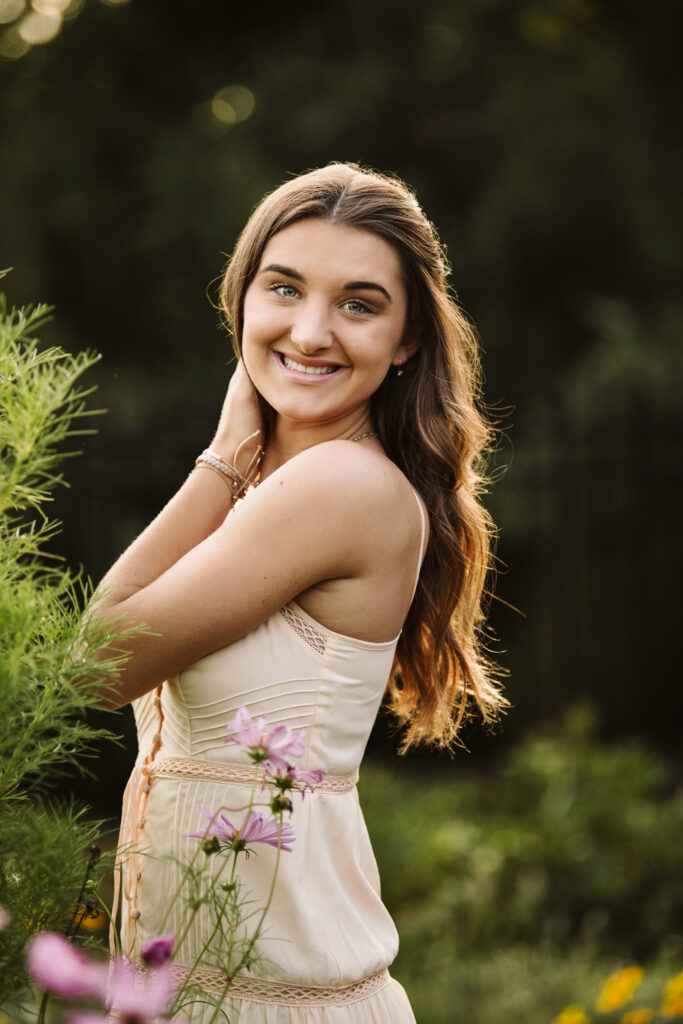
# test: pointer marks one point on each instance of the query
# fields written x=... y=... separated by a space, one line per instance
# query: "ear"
x=408 y=346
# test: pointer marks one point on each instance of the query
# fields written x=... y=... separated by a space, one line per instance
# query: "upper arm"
x=299 y=527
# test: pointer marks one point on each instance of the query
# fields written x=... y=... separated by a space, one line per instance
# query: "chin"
x=320 y=417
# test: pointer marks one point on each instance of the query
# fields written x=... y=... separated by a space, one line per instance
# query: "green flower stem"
x=184 y=928
x=221 y=911
x=178 y=891
x=110 y=918
x=43 y=1007
x=246 y=956
x=207 y=944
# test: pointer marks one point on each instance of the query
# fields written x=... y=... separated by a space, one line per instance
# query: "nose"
x=311 y=329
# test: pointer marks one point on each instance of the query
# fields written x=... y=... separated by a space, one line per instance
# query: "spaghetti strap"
x=422 y=538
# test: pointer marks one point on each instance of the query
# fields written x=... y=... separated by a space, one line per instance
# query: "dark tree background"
x=543 y=138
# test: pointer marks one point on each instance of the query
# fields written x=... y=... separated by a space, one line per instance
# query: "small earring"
x=399 y=370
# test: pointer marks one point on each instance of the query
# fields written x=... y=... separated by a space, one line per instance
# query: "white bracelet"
x=237 y=481
x=213 y=461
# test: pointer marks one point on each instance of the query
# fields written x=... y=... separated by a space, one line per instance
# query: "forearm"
x=201 y=504
x=193 y=513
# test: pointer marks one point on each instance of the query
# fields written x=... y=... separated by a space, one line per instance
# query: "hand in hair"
x=240 y=425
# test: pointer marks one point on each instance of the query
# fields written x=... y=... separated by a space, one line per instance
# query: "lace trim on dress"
x=281 y=993
x=308 y=633
x=240 y=774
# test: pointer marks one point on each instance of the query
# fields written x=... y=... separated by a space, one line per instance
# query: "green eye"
x=355 y=306
x=287 y=291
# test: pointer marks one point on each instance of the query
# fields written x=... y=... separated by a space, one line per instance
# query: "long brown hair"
x=430 y=425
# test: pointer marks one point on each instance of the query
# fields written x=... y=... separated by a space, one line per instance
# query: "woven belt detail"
x=280 y=993
x=239 y=774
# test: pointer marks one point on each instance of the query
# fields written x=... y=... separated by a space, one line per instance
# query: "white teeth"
x=291 y=365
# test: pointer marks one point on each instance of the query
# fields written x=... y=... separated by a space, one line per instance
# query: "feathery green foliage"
x=48 y=664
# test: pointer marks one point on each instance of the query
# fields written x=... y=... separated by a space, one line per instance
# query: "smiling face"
x=324 y=320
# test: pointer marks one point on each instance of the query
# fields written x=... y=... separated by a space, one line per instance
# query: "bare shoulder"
x=352 y=498
x=348 y=477
x=374 y=532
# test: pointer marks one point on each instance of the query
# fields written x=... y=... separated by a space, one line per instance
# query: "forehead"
x=339 y=250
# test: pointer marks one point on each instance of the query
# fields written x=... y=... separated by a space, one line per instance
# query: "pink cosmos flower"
x=271 y=746
x=141 y=995
x=63 y=970
x=255 y=829
x=134 y=997
x=156 y=951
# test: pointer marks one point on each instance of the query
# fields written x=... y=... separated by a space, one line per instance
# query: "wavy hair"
x=429 y=422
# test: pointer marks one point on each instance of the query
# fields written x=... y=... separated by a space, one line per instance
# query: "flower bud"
x=211 y=845
x=156 y=951
x=280 y=803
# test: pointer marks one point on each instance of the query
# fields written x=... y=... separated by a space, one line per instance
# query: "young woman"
x=362 y=550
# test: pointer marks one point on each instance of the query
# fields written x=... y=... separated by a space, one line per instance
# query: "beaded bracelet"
x=238 y=482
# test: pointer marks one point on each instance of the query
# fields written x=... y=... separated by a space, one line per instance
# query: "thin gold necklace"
x=368 y=433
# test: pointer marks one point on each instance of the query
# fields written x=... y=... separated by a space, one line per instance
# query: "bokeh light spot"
x=39 y=28
x=74 y=9
x=12 y=46
x=233 y=104
x=50 y=7
x=223 y=110
x=9 y=10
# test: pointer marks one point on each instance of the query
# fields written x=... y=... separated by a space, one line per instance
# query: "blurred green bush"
x=532 y=878
x=50 y=671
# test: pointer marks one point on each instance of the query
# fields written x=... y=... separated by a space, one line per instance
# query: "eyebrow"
x=350 y=286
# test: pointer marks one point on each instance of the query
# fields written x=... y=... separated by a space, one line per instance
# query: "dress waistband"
x=281 y=993
x=238 y=774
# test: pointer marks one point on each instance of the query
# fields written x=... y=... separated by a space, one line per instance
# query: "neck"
x=289 y=439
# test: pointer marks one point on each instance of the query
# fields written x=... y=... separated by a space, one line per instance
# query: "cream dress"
x=328 y=938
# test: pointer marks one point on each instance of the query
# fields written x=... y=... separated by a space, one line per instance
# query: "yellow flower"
x=672 y=1005
x=641 y=1016
x=619 y=988
x=572 y=1015
x=675 y=985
